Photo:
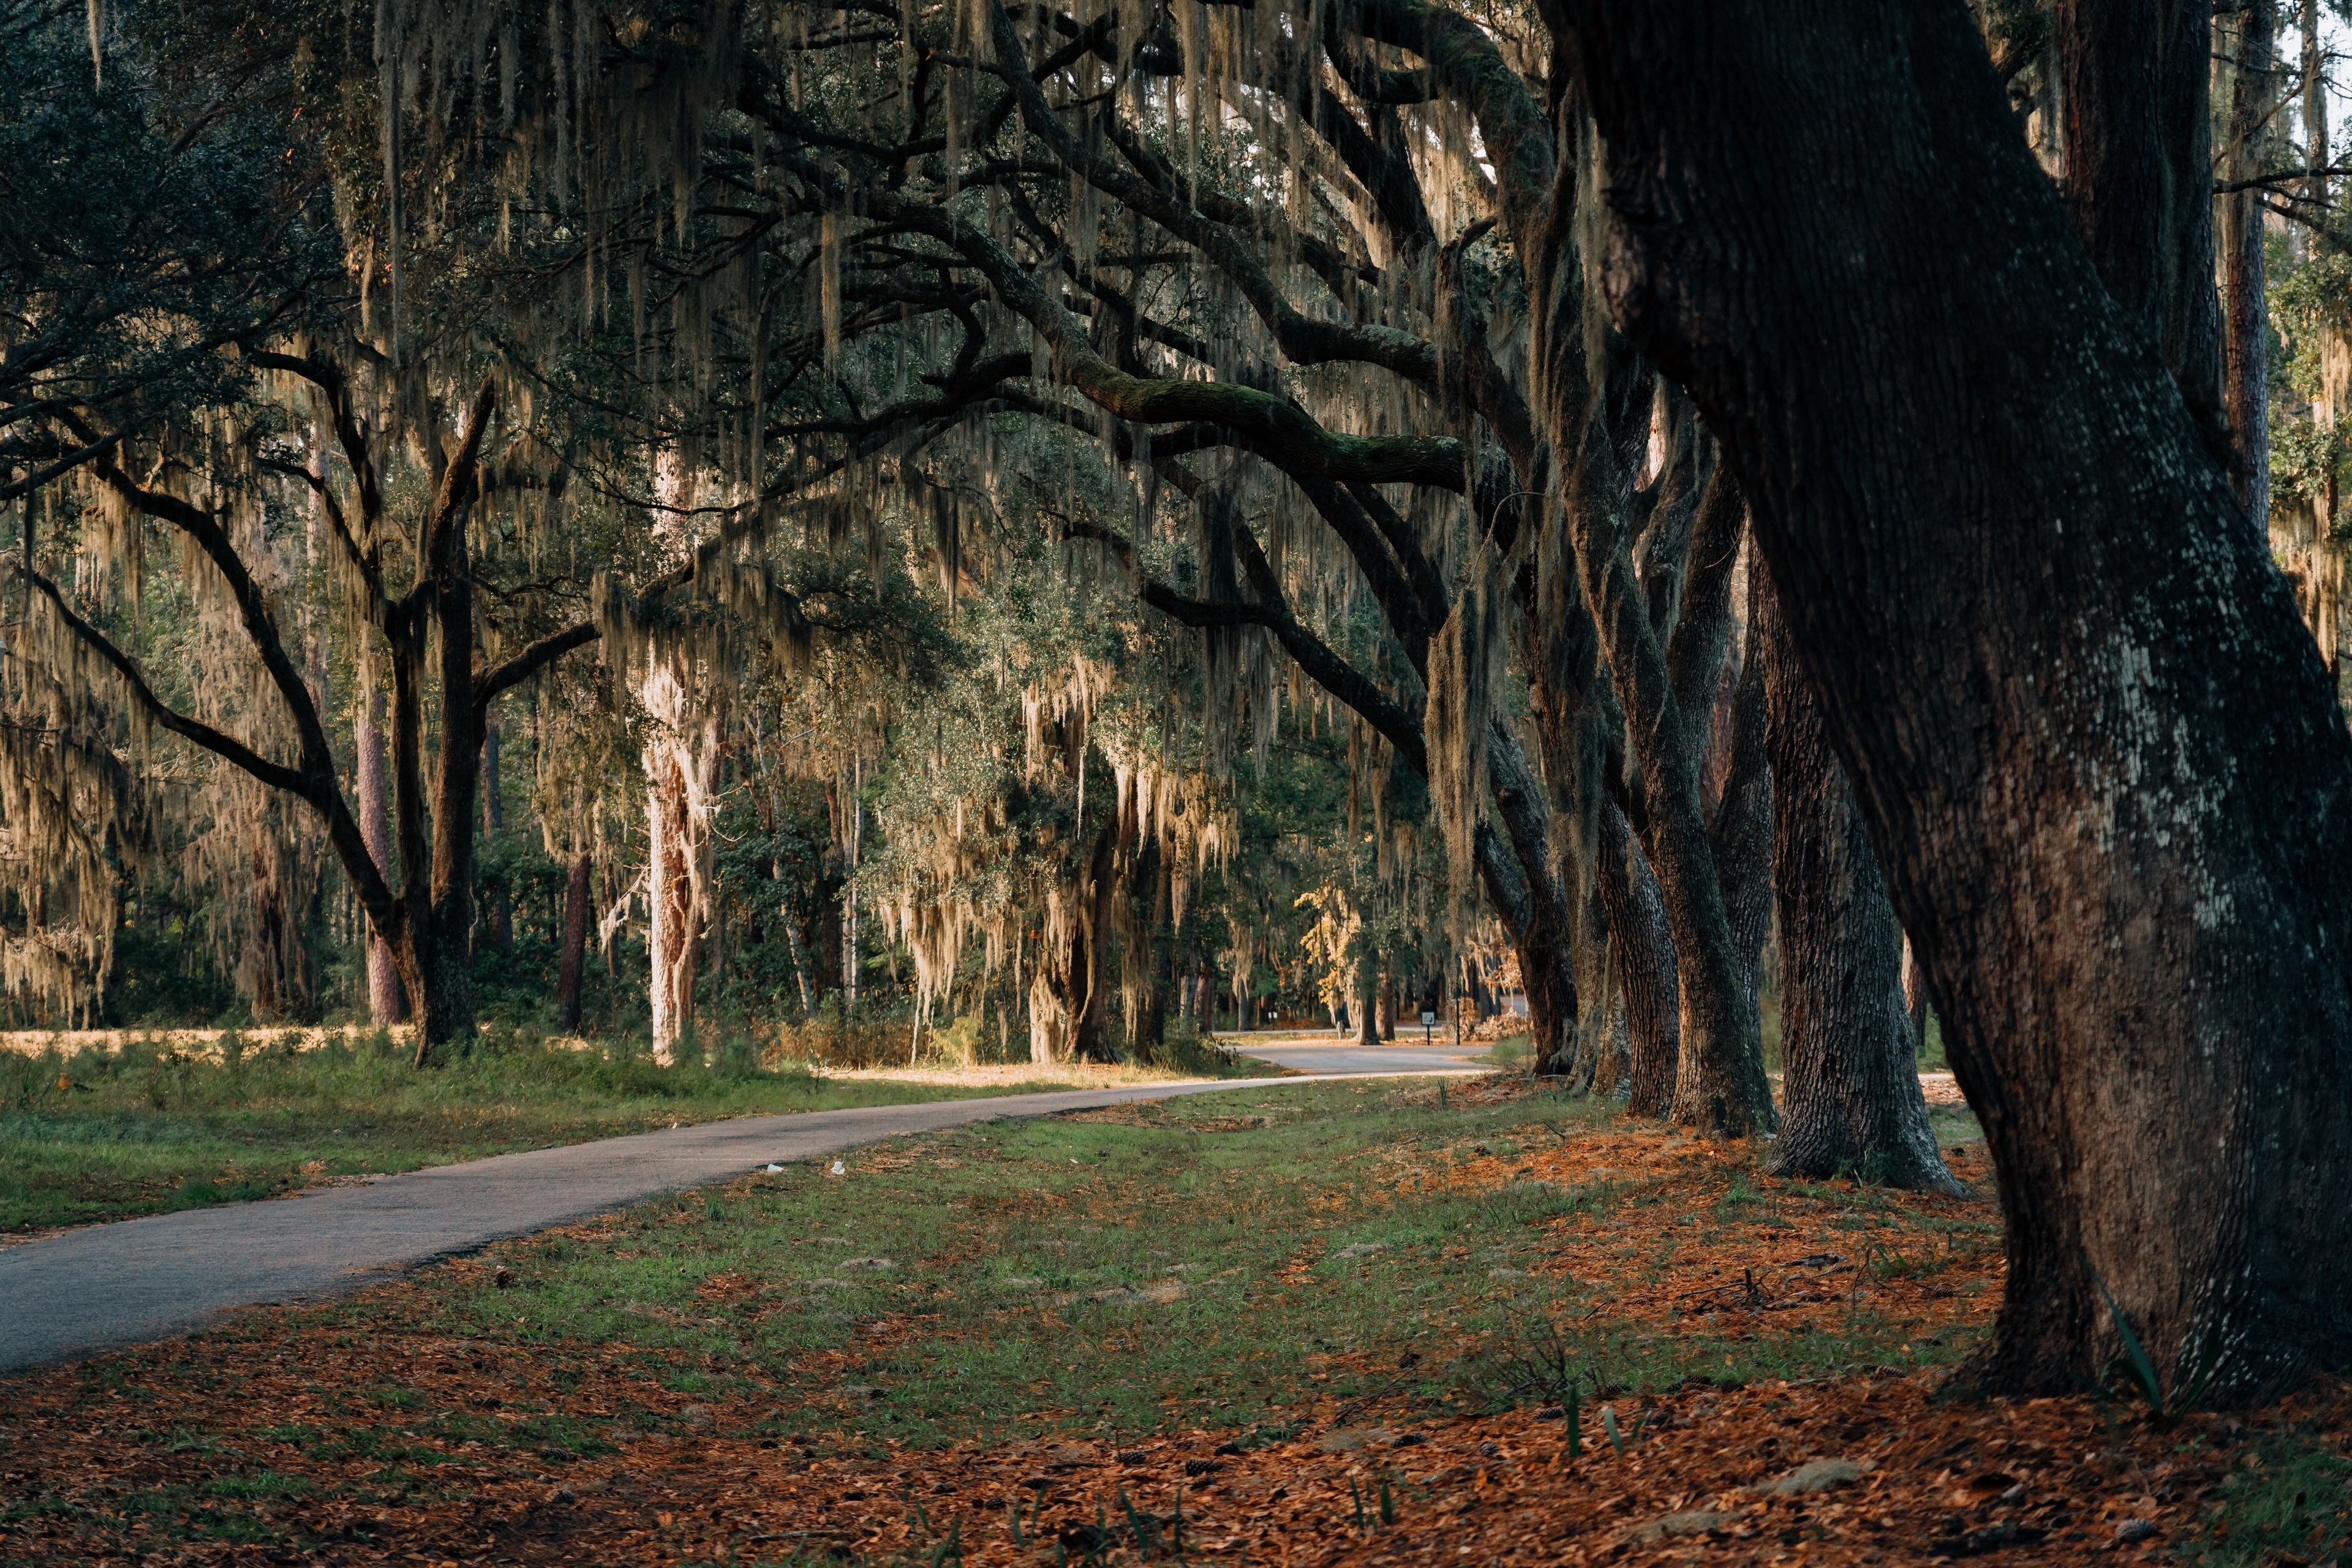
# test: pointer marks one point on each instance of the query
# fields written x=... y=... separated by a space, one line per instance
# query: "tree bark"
x=1719 y=1082
x=575 y=946
x=2136 y=149
x=1091 y=965
x=384 y=1000
x=1741 y=835
x=2245 y=308
x=672 y=938
x=501 y=909
x=2071 y=693
x=1643 y=951
x=1850 y=1078
x=1915 y=996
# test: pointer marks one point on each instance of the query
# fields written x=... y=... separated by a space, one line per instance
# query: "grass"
x=1297 y=1317
x=1250 y=1263
x=99 y=1136
x=2286 y=1500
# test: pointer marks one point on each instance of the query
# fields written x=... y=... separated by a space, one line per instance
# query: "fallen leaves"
x=290 y=1431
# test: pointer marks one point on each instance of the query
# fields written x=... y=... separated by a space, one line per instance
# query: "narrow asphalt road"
x=1327 y=1055
x=111 y=1285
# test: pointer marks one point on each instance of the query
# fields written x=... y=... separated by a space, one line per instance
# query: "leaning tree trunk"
x=1719 y=1082
x=1643 y=949
x=2110 y=779
x=1850 y=1087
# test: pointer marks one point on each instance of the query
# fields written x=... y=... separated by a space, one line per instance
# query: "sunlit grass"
x=98 y=1135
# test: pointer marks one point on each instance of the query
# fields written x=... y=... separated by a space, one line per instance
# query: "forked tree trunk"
x=1850 y=1087
x=2109 y=780
x=575 y=946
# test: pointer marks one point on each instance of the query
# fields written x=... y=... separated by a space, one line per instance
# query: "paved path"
x=141 y=1280
x=1327 y=1056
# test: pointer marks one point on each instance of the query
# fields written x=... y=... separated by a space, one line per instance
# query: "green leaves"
x=2196 y=1369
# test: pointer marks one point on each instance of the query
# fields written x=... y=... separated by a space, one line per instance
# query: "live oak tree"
x=1440 y=361
x=2103 y=770
x=1181 y=363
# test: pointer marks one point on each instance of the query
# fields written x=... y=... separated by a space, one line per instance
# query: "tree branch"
x=277 y=776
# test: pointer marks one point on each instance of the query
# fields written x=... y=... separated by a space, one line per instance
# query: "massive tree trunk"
x=1850 y=1093
x=2109 y=781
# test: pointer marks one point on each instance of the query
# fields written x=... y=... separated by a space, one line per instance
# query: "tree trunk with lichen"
x=1992 y=521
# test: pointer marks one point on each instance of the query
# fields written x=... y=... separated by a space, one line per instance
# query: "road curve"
x=141 y=1280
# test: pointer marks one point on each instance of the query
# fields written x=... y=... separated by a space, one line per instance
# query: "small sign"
x=1428 y=1019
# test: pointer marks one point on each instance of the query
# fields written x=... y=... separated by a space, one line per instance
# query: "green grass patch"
x=2288 y=1499
x=1223 y=1260
x=100 y=1136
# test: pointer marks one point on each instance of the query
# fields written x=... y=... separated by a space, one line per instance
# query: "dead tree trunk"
x=1850 y=1090
x=2071 y=693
